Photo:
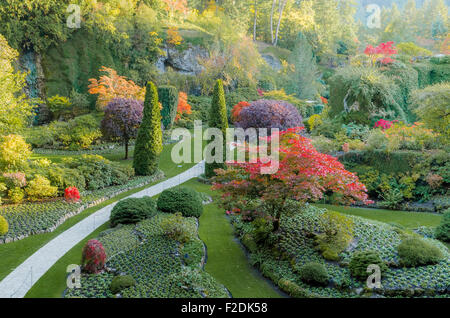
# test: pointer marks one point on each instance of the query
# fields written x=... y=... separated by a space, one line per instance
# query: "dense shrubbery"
x=415 y=251
x=14 y=152
x=443 y=230
x=131 y=211
x=269 y=114
x=361 y=260
x=93 y=257
x=184 y=200
x=175 y=228
x=3 y=226
x=121 y=282
x=168 y=96
x=314 y=274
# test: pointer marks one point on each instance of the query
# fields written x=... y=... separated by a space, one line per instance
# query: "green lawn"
x=409 y=220
x=227 y=261
x=13 y=254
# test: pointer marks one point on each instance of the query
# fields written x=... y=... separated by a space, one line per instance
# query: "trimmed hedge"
x=168 y=96
x=184 y=200
x=443 y=230
x=314 y=274
x=361 y=260
x=132 y=210
x=119 y=283
x=415 y=251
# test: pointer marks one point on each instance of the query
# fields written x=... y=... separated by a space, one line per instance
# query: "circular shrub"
x=119 y=283
x=132 y=210
x=184 y=200
x=415 y=251
x=361 y=260
x=4 y=227
x=314 y=274
x=443 y=230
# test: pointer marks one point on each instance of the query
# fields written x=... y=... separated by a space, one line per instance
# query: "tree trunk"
x=282 y=5
x=271 y=20
x=255 y=20
x=126 y=149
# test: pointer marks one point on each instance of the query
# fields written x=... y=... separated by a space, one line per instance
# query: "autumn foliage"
x=183 y=106
x=382 y=53
x=236 y=111
x=112 y=86
x=93 y=257
x=304 y=175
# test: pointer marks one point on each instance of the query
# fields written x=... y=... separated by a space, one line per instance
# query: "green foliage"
x=16 y=195
x=39 y=188
x=364 y=94
x=175 y=228
x=217 y=119
x=412 y=50
x=59 y=106
x=181 y=199
x=442 y=232
x=361 y=260
x=149 y=140
x=335 y=234
x=292 y=288
x=15 y=109
x=168 y=96
x=314 y=274
x=304 y=109
x=3 y=226
x=433 y=108
x=415 y=251
x=132 y=210
x=14 y=152
x=121 y=282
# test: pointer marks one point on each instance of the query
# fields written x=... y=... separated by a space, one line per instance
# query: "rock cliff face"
x=184 y=61
x=273 y=62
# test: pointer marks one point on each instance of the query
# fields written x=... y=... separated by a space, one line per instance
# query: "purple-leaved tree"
x=122 y=120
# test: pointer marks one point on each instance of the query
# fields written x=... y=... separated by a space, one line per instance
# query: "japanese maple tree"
x=382 y=53
x=236 y=111
x=93 y=257
x=183 y=106
x=304 y=174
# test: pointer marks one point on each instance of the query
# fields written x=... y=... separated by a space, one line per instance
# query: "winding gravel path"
x=19 y=282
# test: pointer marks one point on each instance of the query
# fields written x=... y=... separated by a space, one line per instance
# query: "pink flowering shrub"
x=15 y=180
x=93 y=257
x=383 y=124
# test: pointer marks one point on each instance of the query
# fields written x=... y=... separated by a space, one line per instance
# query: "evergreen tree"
x=149 y=140
x=304 y=77
x=218 y=119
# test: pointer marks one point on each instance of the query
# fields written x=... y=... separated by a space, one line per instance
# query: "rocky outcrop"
x=273 y=62
x=184 y=61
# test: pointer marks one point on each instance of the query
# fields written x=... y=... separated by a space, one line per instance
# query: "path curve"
x=20 y=281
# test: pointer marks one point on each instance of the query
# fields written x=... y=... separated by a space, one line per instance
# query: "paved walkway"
x=19 y=282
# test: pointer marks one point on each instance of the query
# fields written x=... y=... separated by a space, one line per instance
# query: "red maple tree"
x=382 y=53
x=304 y=174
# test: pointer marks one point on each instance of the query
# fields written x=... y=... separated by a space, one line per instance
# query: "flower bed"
x=35 y=218
x=160 y=266
x=296 y=247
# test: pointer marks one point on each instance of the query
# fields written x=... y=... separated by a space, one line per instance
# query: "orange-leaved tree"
x=112 y=86
x=183 y=106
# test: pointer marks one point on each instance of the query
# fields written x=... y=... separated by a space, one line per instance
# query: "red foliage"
x=236 y=111
x=304 y=174
x=71 y=194
x=183 y=106
x=324 y=100
x=383 y=124
x=382 y=52
x=93 y=257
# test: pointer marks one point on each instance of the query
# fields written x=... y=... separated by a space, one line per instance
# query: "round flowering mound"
x=71 y=194
x=269 y=114
x=93 y=257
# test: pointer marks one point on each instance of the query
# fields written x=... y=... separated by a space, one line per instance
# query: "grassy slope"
x=227 y=261
x=13 y=254
x=409 y=220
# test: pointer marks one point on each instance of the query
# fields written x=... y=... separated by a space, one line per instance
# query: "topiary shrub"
x=184 y=200
x=149 y=139
x=168 y=96
x=361 y=260
x=132 y=210
x=4 y=227
x=442 y=232
x=269 y=114
x=120 y=283
x=415 y=251
x=314 y=274
x=93 y=257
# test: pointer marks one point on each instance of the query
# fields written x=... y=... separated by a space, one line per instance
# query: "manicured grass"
x=14 y=253
x=409 y=220
x=227 y=261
